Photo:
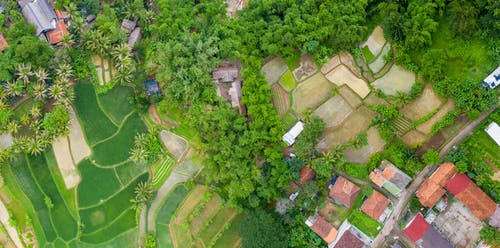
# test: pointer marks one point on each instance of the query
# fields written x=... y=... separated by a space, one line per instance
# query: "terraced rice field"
x=280 y=100
x=162 y=170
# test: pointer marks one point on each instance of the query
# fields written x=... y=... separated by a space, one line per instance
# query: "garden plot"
x=287 y=81
x=342 y=75
x=6 y=140
x=414 y=138
x=274 y=69
x=373 y=99
x=280 y=99
x=375 y=41
x=424 y=104
x=459 y=225
x=348 y=60
x=396 y=80
x=361 y=155
x=174 y=143
x=334 y=111
x=79 y=147
x=65 y=162
x=379 y=62
x=357 y=122
x=426 y=127
x=350 y=96
x=306 y=69
x=332 y=63
x=310 y=93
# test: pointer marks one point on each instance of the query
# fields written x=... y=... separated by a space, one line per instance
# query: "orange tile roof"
x=429 y=193
x=344 y=191
x=480 y=204
x=443 y=174
x=375 y=205
x=59 y=14
x=306 y=174
x=3 y=43
x=377 y=178
x=324 y=229
x=389 y=172
x=55 y=36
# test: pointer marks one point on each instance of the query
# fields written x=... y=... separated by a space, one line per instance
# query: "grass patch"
x=288 y=120
x=95 y=123
x=365 y=223
x=230 y=236
x=97 y=184
x=219 y=221
x=287 y=81
x=115 y=102
x=127 y=239
x=173 y=200
x=182 y=236
x=116 y=149
x=367 y=54
x=128 y=171
x=211 y=208
x=161 y=171
x=356 y=170
x=124 y=223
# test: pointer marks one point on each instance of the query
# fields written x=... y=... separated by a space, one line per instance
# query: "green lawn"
x=367 y=54
x=97 y=184
x=120 y=225
x=356 y=170
x=95 y=123
x=365 y=223
x=129 y=170
x=287 y=81
x=23 y=108
x=115 y=102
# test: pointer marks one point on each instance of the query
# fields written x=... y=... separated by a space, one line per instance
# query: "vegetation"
x=365 y=223
x=490 y=235
x=261 y=229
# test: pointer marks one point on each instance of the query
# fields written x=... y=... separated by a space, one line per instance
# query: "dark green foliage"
x=490 y=235
x=447 y=120
x=5 y=115
x=56 y=123
x=384 y=121
x=431 y=157
x=364 y=223
x=262 y=229
x=139 y=102
x=302 y=236
x=433 y=64
x=90 y=189
x=403 y=157
x=306 y=142
x=414 y=204
x=464 y=16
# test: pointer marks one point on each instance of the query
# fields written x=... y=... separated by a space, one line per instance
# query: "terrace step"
x=402 y=125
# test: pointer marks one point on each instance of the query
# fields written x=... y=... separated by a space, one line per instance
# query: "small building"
x=350 y=237
x=134 y=37
x=344 y=192
x=431 y=190
x=493 y=130
x=49 y=25
x=389 y=177
x=152 y=87
x=492 y=80
x=293 y=133
x=228 y=81
x=424 y=235
x=3 y=43
x=322 y=228
x=480 y=204
x=376 y=206
x=306 y=174
x=128 y=25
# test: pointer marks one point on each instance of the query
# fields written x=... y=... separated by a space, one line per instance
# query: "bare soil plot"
x=414 y=138
x=423 y=105
x=311 y=92
x=306 y=69
x=65 y=162
x=332 y=63
x=174 y=144
x=210 y=209
x=397 y=79
x=331 y=213
x=274 y=69
x=379 y=62
x=375 y=41
x=358 y=121
x=348 y=60
x=280 y=100
x=6 y=140
x=190 y=203
x=373 y=99
x=361 y=155
x=342 y=75
x=79 y=147
x=350 y=96
x=103 y=69
x=334 y=111
x=459 y=225
x=427 y=126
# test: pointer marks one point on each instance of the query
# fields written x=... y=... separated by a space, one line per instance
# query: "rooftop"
x=306 y=174
x=443 y=174
x=493 y=130
x=433 y=239
x=293 y=133
x=349 y=240
x=56 y=35
x=3 y=42
x=429 y=193
x=375 y=205
x=39 y=13
x=152 y=87
x=417 y=227
x=344 y=191
x=495 y=218
x=324 y=229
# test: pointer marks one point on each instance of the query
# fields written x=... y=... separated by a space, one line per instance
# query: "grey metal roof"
x=40 y=14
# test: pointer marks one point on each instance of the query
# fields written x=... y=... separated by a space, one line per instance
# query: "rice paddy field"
x=98 y=212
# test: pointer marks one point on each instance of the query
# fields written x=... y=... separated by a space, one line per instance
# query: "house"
x=306 y=174
x=431 y=190
x=134 y=37
x=492 y=80
x=3 y=43
x=49 y=25
x=228 y=81
x=350 y=237
x=128 y=25
x=376 y=206
x=152 y=87
x=321 y=227
x=493 y=130
x=424 y=235
x=495 y=218
x=234 y=5
x=293 y=133
x=480 y=204
x=390 y=178
x=344 y=192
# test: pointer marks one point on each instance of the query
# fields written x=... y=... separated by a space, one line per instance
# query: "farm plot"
x=175 y=144
x=396 y=80
x=287 y=81
x=280 y=100
x=425 y=104
x=350 y=96
x=426 y=127
x=380 y=61
x=306 y=69
x=102 y=66
x=332 y=63
x=78 y=145
x=358 y=121
x=274 y=69
x=361 y=155
x=334 y=111
x=414 y=138
x=165 y=215
x=375 y=41
x=342 y=75
x=161 y=171
x=310 y=93
x=65 y=162
x=116 y=104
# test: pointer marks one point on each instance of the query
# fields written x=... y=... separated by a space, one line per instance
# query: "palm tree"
x=401 y=98
x=143 y=193
x=3 y=94
x=64 y=71
x=56 y=92
x=36 y=126
x=24 y=72
x=123 y=77
x=35 y=112
x=138 y=154
x=67 y=98
x=25 y=119
x=13 y=127
x=41 y=75
x=35 y=146
x=67 y=41
x=121 y=52
x=39 y=92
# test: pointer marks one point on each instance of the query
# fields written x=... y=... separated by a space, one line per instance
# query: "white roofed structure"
x=492 y=80
x=293 y=133
x=493 y=130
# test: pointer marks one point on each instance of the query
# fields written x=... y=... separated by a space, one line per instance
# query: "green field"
x=367 y=54
x=161 y=171
x=165 y=213
x=287 y=81
x=115 y=103
x=365 y=223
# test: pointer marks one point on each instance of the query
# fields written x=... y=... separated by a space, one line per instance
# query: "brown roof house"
x=431 y=190
x=376 y=206
x=228 y=81
x=49 y=25
x=350 y=237
x=3 y=43
x=390 y=178
x=344 y=192
x=306 y=174
x=321 y=227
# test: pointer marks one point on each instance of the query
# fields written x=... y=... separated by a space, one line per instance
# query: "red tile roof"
x=443 y=173
x=429 y=193
x=458 y=183
x=375 y=205
x=3 y=43
x=324 y=229
x=55 y=36
x=348 y=240
x=389 y=172
x=306 y=174
x=417 y=228
x=377 y=178
x=344 y=191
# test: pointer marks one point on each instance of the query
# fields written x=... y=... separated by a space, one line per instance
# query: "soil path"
x=12 y=231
